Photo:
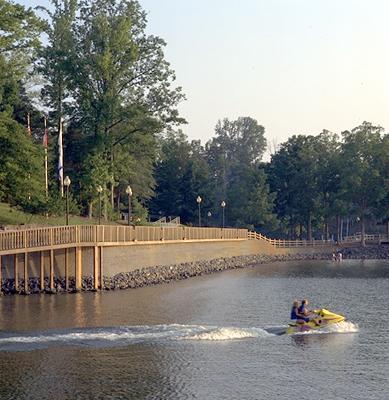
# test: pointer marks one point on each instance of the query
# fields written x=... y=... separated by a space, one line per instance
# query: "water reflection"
x=80 y=311
x=258 y=367
x=333 y=342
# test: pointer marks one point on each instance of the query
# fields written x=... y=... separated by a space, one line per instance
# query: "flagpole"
x=45 y=143
x=60 y=157
x=29 y=134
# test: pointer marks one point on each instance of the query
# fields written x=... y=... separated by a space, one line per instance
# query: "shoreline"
x=159 y=274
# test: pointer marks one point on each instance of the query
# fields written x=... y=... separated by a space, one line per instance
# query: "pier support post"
x=101 y=269
x=78 y=268
x=66 y=269
x=16 y=273
x=42 y=271
x=51 y=269
x=96 y=268
x=1 y=276
x=26 y=273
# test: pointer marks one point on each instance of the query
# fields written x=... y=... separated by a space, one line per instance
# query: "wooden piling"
x=1 y=275
x=42 y=271
x=96 y=268
x=51 y=269
x=16 y=272
x=78 y=268
x=66 y=270
x=101 y=268
x=26 y=273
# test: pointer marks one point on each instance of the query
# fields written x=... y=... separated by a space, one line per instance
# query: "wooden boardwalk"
x=38 y=239
x=46 y=241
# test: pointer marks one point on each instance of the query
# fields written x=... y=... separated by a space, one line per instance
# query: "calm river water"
x=204 y=338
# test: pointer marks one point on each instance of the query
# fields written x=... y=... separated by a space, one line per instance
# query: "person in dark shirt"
x=303 y=312
x=294 y=311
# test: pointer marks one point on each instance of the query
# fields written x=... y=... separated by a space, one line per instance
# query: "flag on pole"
x=28 y=125
x=60 y=157
x=45 y=135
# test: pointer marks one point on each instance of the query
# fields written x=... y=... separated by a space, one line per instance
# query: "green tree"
x=111 y=82
x=293 y=176
x=234 y=156
x=19 y=39
x=382 y=211
x=21 y=28
x=249 y=201
x=122 y=88
x=182 y=174
x=240 y=142
x=21 y=171
x=333 y=203
x=362 y=175
x=55 y=59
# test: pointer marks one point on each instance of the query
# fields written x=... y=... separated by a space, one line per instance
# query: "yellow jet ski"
x=320 y=319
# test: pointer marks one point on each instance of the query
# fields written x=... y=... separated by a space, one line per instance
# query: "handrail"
x=304 y=243
x=82 y=235
x=29 y=239
x=368 y=238
x=288 y=243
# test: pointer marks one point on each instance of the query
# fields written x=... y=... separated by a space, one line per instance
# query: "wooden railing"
x=83 y=235
x=368 y=238
x=289 y=243
x=306 y=243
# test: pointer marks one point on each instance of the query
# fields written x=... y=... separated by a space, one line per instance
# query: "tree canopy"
x=103 y=81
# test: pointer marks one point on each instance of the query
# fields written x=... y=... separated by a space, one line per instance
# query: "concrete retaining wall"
x=137 y=265
x=117 y=259
x=129 y=258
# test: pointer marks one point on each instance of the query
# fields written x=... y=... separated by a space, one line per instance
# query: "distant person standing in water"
x=337 y=256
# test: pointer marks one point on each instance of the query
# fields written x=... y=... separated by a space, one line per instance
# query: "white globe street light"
x=99 y=191
x=129 y=193
x=67 y=182
x=223 y=206
x=199 y=200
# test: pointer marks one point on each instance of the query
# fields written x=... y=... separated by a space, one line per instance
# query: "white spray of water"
x=341 y=327
x=131 y=334
x=126 y=335
x=219 y=334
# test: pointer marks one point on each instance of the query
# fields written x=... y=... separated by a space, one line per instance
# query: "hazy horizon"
x=295 y=66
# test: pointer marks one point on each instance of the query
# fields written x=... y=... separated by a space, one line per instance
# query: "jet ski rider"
x=294 y=311
x=303 y=312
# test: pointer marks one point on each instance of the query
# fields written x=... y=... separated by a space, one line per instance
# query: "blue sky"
x=297 y=66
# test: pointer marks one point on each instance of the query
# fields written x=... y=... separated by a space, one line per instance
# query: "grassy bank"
x=12 y=216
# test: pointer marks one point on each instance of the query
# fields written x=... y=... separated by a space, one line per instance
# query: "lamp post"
x=209 y=215
x=199 y=199
x=99 y=191
x=223 y=206
x=67 y=182
x=129 y=192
